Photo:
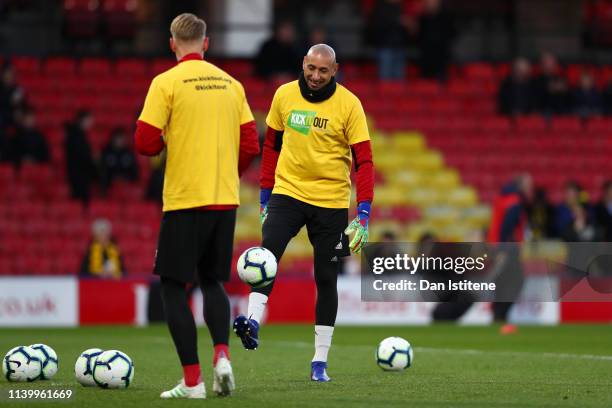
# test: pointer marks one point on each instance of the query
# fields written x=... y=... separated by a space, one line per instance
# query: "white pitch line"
x=303 y=344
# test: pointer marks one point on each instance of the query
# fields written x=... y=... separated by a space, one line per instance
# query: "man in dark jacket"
x=516 y=93
x=603 y=213
x=80 y=165
x=435 y=35
x=278 y=56
x=508 y=222
x=387 y=32
x=551 y=93
x=118 y=160
x=29 y=144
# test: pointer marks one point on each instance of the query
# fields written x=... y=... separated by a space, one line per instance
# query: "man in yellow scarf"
x=102 y=259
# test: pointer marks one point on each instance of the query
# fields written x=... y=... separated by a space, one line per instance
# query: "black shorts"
x=325 y=226
x=195 y=240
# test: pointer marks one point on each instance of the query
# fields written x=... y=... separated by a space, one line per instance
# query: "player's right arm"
x=273 y=143
x=249 y=139
x=154 y=117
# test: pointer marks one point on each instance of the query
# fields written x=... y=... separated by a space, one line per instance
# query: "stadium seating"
x=441 y=154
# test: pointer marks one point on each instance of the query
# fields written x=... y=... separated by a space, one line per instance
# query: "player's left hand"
x=359 y=226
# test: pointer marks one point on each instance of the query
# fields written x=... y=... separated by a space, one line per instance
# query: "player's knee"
x=169 y=285
x=212 y=288
x=326 y=277
x=266 y=290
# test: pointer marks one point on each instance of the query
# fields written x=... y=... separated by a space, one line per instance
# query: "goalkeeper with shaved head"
x=316 y=130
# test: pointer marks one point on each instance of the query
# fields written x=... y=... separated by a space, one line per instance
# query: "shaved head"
x=319 y=66
x=322 y=50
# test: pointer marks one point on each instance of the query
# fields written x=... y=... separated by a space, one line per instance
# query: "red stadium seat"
x=363 y=89
x=162 y=64
x=254 y=87
x=480 y=72
x=388 y=89
x=599 y=125
x=60 y=67
x=424 y=88
x=567 y=124
x=495 y=124
x=105 y=209
x=7 y=173
x=532 y=123
x=129 y=68
x=26 y=66
x=94 y=68
x=240 y=69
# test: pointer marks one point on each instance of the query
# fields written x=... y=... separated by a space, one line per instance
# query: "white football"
x=394 y=354
x=21 y=363
x=257 y=267
x=113 y=369
x=83 y=368
x=48 y=360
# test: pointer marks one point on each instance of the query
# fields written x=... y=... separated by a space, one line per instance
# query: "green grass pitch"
x=564 y=366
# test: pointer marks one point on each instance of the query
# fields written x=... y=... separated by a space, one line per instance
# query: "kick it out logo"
x=302 y=121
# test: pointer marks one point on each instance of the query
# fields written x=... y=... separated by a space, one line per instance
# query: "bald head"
x=322 y=51
x=319 y=66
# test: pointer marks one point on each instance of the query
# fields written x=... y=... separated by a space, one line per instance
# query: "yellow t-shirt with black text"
x=314 y=165
x=199 y=108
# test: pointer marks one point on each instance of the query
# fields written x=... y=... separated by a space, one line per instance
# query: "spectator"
x=318 y=35
x=118 y=160
x=28 y=144
x=452 y=304
x=541 y=216
x=435 y=37
x=508 y=222
x=603 y=213
x=587 y=99
x=388 y=34
x=102 y=258
x=607 y=98
x=4 y=145
x=80 y=165
x=516 y=91
x=155 y=185
x=278 y=56
x=574 y=219
x=550 y=88
x=11 y=97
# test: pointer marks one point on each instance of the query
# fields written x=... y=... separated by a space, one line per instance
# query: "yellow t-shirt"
x=314 y=165
x=199 y=108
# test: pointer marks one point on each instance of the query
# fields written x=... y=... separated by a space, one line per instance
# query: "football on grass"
x=48 y=360
x=113 y=369
x=21 y=363
x=83 y=368
x=394 y=354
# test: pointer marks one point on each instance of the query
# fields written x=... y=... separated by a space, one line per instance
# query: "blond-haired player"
x=210 y=137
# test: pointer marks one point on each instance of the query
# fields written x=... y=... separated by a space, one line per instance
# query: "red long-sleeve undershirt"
x=364 y=170
x=362 y=155
x=148 y=141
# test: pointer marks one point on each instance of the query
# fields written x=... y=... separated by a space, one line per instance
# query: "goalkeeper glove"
x=264 y=197
x=360 y=227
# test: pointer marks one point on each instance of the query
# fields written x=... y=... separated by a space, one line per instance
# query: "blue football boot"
x=247 y=330
x=318 y=371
